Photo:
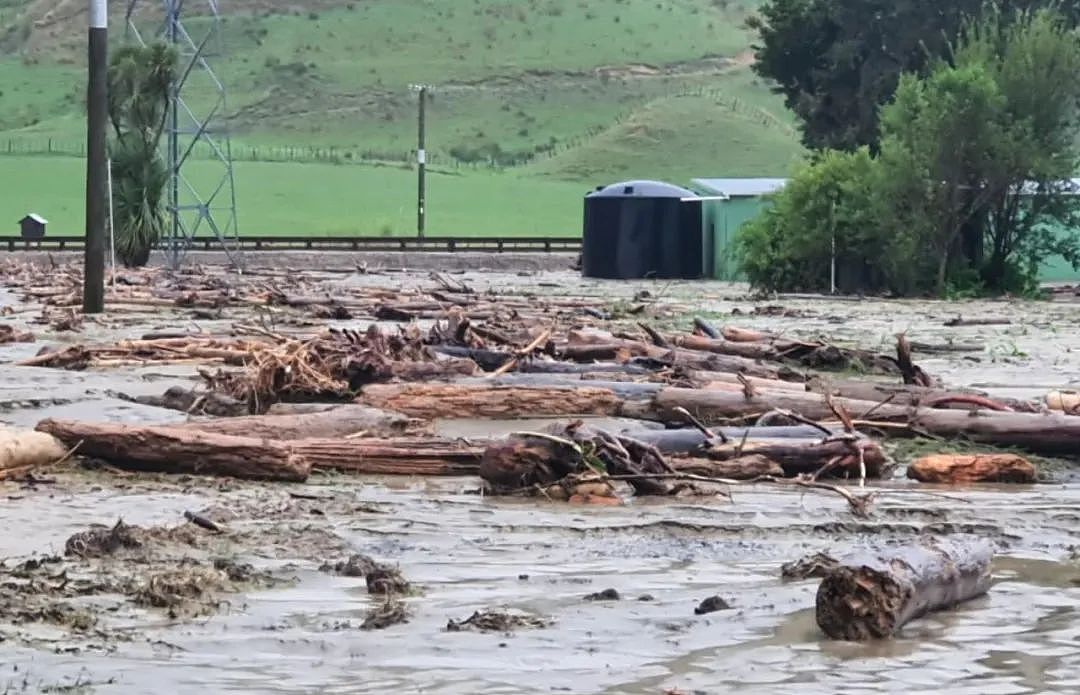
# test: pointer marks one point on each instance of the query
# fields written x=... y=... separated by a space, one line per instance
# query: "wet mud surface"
x=498 y=590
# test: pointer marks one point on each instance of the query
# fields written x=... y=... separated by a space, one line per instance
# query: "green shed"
x=730 y=204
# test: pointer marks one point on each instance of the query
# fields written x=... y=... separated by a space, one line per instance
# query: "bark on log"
x=979 y=468
x=453 y=401
x=720 y=346
x=743 y=468
x=872 y=595
x=398 y=456
x=341 y=421
x=176 y=450
x=745 y=335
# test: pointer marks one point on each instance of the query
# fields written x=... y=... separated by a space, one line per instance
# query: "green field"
x=534 y=102
x=323 y=199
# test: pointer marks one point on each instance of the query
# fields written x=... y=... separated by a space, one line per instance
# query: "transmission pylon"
x=201 y=206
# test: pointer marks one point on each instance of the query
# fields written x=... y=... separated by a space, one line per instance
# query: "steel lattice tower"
x=199 y=207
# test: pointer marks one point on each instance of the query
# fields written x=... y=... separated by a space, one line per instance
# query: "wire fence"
x=456 y=158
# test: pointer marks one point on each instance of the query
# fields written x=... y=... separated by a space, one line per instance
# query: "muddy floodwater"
x=290 y=626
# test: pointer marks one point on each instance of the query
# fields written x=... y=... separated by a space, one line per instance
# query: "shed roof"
x=35 y=217
x=740 y=188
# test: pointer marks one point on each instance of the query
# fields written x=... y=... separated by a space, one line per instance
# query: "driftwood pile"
x=703 y=410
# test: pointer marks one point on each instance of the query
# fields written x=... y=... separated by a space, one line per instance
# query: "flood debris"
x=99 y=541
x=355 y=566
x=498 y=621
x=10 y=334
x=391 y=611
x=813 y=566
x=711 y=605
x=977 y=468
x=872 y=594
x=604 y=595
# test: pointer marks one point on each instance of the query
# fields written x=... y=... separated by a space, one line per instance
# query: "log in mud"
x=398 y=456
x=177 y=450
x=460 y=401
x=339 y=421
x=977 y=468
x=1040 y=433
x=871 y=595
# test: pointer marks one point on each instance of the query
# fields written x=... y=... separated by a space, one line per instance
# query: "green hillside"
x=537 y=91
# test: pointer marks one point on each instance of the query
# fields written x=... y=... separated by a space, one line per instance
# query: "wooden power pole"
x=97 y=173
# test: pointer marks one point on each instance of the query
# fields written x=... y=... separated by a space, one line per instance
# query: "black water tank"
x=639 y=229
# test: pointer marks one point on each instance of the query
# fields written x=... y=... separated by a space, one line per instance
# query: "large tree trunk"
x=177 y=450
x=400 y=456
x=455 y=401
x=872 y=595
x=340 y=421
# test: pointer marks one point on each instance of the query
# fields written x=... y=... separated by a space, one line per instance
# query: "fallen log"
x=746 y=467
x=22 y=450
x=685 y=441
x=1041 y=433
x=595 y=345
x=979 y=468
x=822 y=458
x=432 y=401
x=177 y=450
x=871 y=595
x=398 y=456
x=340 y=421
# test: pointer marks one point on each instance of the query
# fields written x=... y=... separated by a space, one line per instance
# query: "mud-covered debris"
x=356 y=566
x=384 y=579
x=810 y=567
x=182 y=590
x=497 y=621
x=605 y=595
x=55 y=613
x=100 y=541
x=711 y=605
x=240 y=573
x=25 y=569
x=645 y=598
x=391 y=611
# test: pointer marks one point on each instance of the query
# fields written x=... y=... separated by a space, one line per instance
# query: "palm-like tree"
x=140 y=78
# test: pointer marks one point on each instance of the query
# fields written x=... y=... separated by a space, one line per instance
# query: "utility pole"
x=421 y=162
x=97 y=171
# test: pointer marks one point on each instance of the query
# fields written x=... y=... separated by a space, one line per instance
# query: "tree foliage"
x=836 y=62
x=966 y=189
x=139 y=84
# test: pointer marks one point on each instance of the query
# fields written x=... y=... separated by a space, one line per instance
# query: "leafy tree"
x=966 y=189
x=139 y=83
x=836 y=62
